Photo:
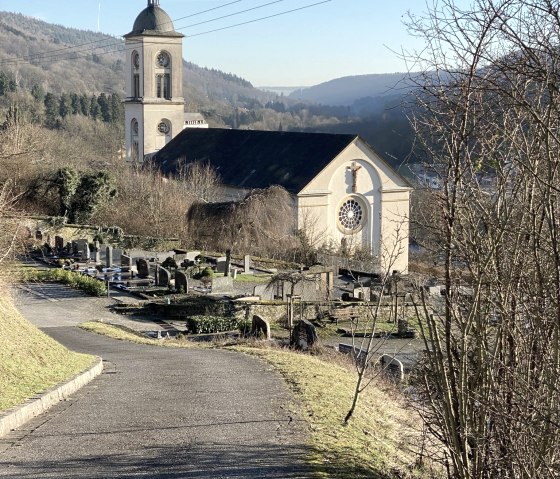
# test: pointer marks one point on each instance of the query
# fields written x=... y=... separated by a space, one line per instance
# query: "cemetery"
x=202 y=295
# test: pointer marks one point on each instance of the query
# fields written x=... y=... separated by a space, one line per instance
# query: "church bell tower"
x=154 y=104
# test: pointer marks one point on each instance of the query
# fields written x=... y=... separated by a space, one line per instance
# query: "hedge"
x=89 y=285
x=210 y=324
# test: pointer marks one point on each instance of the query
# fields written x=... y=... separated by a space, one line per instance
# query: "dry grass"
x=381 y=440
x=31 y=361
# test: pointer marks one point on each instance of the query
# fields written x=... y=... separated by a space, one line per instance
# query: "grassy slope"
x=30 y=361
x=380 y=441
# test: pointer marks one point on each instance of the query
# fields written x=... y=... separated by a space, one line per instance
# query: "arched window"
x=135 y=74
x=163 y=76
x=134 y=147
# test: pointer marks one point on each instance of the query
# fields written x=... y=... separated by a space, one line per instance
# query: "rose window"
x=351 y=215
x=163 y=128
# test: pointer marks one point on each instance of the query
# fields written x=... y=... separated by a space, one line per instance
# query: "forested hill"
x=89 y=70
x=346 y=91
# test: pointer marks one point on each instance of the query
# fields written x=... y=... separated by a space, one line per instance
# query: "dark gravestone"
x=58 y=243
x=163 y=277
x=109 y=257
x=260 y=327
x=304 y=335
x=83 y=249
x=126 y=263
x=358 y=354
x=181 y=282
x=143 y=268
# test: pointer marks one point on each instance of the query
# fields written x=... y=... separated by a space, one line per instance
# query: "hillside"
x=30 y=361
x=346 y=91
x=225 y=99
x=93 y=71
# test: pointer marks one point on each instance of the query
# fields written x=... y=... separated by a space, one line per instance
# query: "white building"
x=154 y=104
x=346 y=194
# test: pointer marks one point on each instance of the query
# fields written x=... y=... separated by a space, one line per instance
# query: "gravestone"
x=97 y=247
x=304 y=335
x=163 y=277
x=392 y=367
x=191 y=255
x=181 y=282
x=126 y=263
x=358 y=354
x=223 y=285
x=143 y=268
x=247 y=264
x=260 y=327
x=117 y=253
x=109 y=257
x=58 y=243
x=264 y=292
x=221 y=264
x=83 y=249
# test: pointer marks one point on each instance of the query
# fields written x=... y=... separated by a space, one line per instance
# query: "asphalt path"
x=155 y=412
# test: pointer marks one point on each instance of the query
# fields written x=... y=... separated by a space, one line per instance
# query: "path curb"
x=18 y=416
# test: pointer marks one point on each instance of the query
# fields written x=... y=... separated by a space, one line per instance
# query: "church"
x=340 y=184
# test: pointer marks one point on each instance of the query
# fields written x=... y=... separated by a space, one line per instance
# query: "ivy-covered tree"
x=66 y=182
x=94 y=190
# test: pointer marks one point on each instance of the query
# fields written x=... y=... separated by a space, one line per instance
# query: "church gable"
x=355 y=161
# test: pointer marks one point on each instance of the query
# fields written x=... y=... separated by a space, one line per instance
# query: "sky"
x=302 y=48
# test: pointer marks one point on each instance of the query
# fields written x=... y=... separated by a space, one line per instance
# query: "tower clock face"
x=163 y=59
x=136 y=60
x=163 y=128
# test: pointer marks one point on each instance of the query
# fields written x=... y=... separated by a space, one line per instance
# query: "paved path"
x=155 y=412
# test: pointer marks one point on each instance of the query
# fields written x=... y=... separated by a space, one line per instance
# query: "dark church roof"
x=153 y=21
x=255 y=159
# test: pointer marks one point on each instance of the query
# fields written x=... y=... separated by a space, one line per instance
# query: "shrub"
x=244 y=326
x=210 y=324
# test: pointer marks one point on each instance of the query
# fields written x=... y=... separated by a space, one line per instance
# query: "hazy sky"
x=330 y=40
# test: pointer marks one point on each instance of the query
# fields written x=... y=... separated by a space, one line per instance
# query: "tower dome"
x=153 y=21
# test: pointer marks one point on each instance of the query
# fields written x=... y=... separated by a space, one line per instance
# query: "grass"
x=30 y=361
x=379 y=441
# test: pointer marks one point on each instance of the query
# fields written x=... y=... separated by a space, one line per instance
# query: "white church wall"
x=382 y=195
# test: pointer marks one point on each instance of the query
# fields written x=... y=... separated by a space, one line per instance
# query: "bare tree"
x=201 y=181
x=488 y=118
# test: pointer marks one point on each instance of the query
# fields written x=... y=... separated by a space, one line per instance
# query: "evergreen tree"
x=51 y=109
x=117 y=110
x=7 y=83
x=104 y=108
x=84 y=105
x=38 y=93
x=75 y=103
x=65 y=105
x=94 y=108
